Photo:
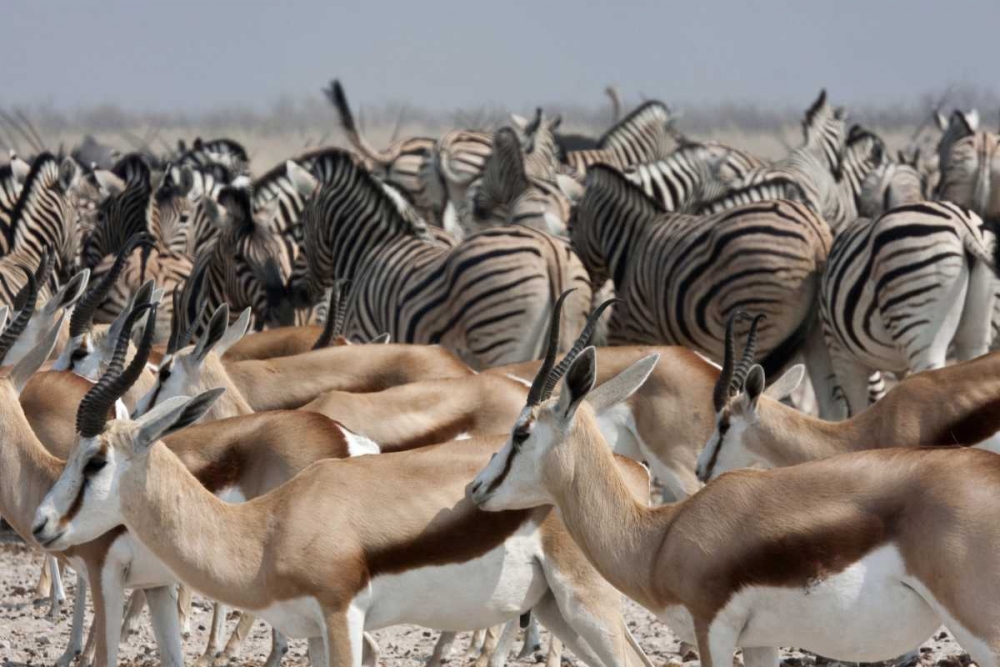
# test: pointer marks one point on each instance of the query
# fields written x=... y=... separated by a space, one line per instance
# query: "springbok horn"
x=538 y=385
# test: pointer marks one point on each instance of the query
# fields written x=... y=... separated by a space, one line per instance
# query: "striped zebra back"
x=419 y=290
x=226 y=152
x=641 y=137
x=687 y=175
x=459 y=159
x=680 y=276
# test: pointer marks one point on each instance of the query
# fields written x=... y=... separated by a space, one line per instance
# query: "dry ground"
x=27 y=637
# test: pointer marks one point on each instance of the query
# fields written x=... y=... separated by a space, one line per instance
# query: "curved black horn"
x=582 y=341
x=740 y=374
x=334 y=324
x=538 y=385
x=16 y=328
x=175 y=325
x=84 y=311
x=92 y=415
x=721 y=392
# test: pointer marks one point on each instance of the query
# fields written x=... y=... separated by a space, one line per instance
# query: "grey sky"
x=184 y=55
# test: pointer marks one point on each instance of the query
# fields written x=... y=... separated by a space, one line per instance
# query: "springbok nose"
x=39 y=528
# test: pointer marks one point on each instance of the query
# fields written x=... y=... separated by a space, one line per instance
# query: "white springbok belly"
x=867 y=612
x=486 y=591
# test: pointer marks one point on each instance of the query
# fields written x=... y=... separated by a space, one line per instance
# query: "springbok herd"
x=455 y=335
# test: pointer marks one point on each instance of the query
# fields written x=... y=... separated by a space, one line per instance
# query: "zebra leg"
x=822 y=376
x=975 y=328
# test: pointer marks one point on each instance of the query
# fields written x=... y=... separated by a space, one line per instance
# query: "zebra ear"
x=69 y=174
x=941 y=120
x=304 y=182
x=972 y=120
x=518 y=121
x=19 y=168
x=186 y=182
x=212 y=210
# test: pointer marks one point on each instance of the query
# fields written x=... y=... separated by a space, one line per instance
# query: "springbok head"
x=195 y=368
x=89 y=347
x=84 y=503
x=550 y=432
x=738 y=421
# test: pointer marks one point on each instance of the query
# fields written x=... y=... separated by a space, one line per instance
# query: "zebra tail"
x=778 y=359
x=338 y=98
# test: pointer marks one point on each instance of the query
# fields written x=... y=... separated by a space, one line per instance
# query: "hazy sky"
x=180 y=54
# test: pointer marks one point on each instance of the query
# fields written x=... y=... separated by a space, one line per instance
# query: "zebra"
x=42 y=219
x=959 y=125
x=679 y=277
x=892 y=184
x=486 y=298
x=186 y=222
x=680 y=179
x=130 y=208
x=406 y=164
x=641 y=137
x=970 y=175
x=899 y=289
x=226 y=152
x=507 y=194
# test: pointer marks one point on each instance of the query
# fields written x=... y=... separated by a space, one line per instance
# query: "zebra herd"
x=860 y=262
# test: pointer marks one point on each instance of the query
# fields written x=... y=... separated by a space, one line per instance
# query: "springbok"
x=858 y=557
x=376 y=560
x=233 y=458
x=955 y=405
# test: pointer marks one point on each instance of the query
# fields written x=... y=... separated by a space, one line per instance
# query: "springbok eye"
x=94 y=466
x=79 y=354
x=519 y=437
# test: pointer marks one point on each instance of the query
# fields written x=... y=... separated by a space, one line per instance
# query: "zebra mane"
x=44 y=172
x=134 y=170
x=649 y=112
x=222 y=145
x=604 y=183
x=504 y=176
x=320 y=162
x=785 y=187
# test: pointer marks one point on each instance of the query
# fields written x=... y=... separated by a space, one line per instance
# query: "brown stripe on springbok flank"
x=222 y=472
x=456 y=535
x=74 y=508
x=970 y=429
x=441 y=433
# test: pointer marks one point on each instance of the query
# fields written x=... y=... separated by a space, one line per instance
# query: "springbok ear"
x=69 y=294
x=577 y=384
x=381 y=339
x=234 y=333
x=172 y=415
x=19 y=168
x=623 y=385
x=69 y=173
x=33 y=360
x=216 y=330
x=787 y=383
x=109 y=183
x=121 y=412
x=753 y=386
x=304 y=182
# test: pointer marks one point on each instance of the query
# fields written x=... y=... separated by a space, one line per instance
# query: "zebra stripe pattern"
x=487 y=298
x=898 y=290
x=643 y=136
x=679 y=276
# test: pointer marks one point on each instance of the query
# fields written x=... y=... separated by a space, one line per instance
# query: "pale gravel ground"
x=27 y=637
